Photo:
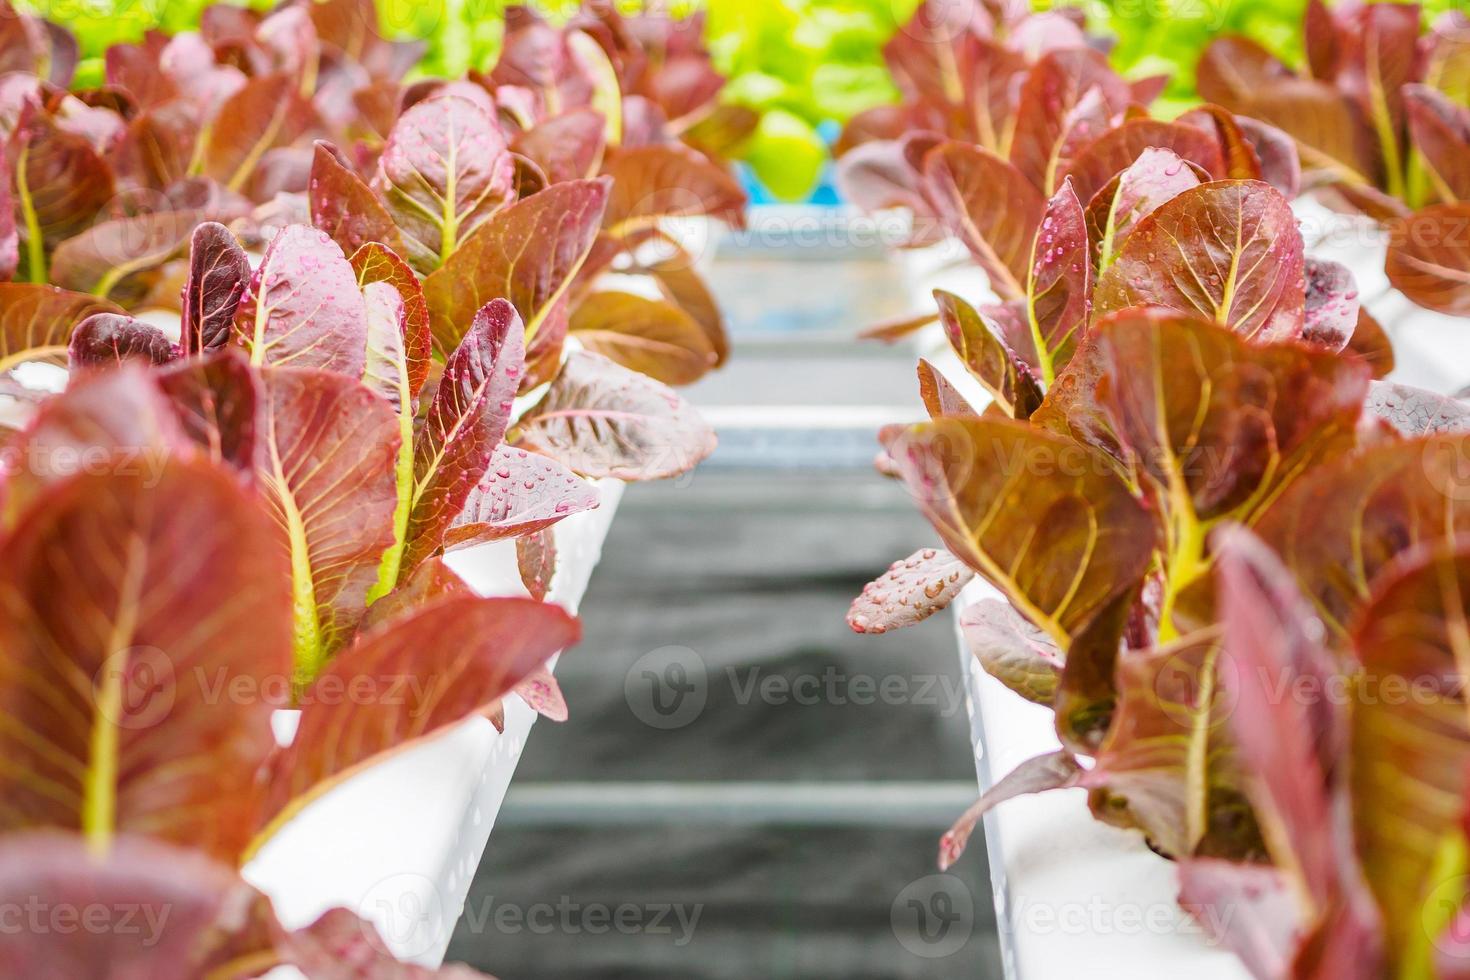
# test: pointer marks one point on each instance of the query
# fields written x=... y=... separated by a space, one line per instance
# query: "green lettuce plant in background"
x=802 y=63
x=1166 y=37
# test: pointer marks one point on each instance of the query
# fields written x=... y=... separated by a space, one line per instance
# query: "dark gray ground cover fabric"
x=743 y=577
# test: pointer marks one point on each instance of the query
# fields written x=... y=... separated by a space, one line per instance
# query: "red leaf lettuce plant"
x=1009 y=124
x=1381 y=115
x=526 y=185
x=602 y=100
x=214 y=525
x=288 y=458
x=1166 y=360
x=262 y=500
x=322 y=129
x=1166 y=365
x=310 y=376
x=106 y=185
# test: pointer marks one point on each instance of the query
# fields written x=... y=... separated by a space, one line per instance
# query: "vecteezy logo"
x=135 y=688
x=1448 y=469
x=405 y=916
x=935 y=22
x=934 y=916
x=1444 y=920
x=667 y=688
x=1193 y=674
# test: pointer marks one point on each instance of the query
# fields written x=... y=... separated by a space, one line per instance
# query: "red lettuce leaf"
x=463 y=654
x=23 y=41
x=1441 y=131
x=167 y=912
x=542 y=694
x=1067 y=100
x=444 y=170
x=527 y=253
x=1331 y=132
x=653 y=182
x=940 y=397
x=912 y=590
x=324 y=455
x=1056 y=770
x=302 y=307
x=219 y=271
x=103 y=415
x=1429 y=258
x=387 y=374
x=1155 y=178
x=894 y=329
x=267 y=112
x=9 y=234
x=567 y=147
x=536 y=56
x=466 y=421
x=1447 y=66
x=153 y=587
x=1167 y=764
x=156 y=147
x=536 y=561
x=1338 y=527
x=1013 y=651
x=134 y=69
x=375 y=262
x=1116 y=150
x=1331 y=311
x=1036 y=514
x=1237 y=153
x=520 y=493
x=1377 y=55
x=36 y=322
x=340 y=945
x=679 y=282
x=386 y=371
x=990 y=206
x=217 y=398
x=982 y=346
x=120 y=257
x=1370 y=343
x=1409 y=752
x=1246 y=908
x=1293 y=746
x=1414 y=411
x=431 y=581
x=1215 y=428
x=343 y=206
x=109 y=339
x=651 y=337
x=887 y=173
x=1281 y=164
x=61 y=183
x=353 y=28
x=1219 y=425
x=1228 y=251
x=601 y=420
x=1059 y=288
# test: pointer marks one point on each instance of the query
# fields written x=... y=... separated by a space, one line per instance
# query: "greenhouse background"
x=807 y=65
